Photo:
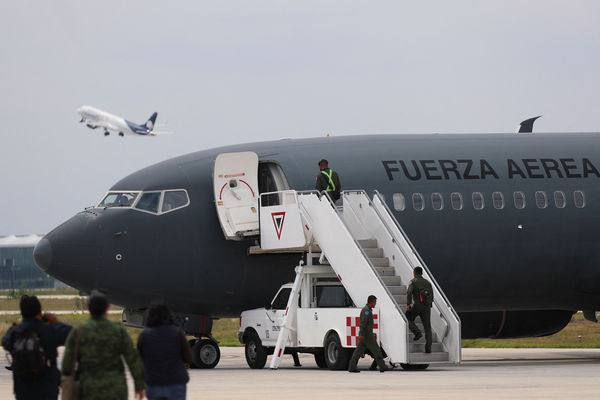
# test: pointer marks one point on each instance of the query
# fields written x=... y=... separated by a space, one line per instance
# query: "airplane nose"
x=42 y=254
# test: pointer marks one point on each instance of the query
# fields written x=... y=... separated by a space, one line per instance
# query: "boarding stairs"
x=369 y=252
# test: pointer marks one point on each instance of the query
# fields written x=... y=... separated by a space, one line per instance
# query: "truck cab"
x=326 y=324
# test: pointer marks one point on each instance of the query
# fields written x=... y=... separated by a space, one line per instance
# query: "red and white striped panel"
x=353 y=326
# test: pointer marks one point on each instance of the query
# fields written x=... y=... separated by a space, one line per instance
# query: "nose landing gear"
x=205 y=353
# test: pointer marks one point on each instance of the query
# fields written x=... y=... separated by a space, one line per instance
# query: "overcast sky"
x=242 y=71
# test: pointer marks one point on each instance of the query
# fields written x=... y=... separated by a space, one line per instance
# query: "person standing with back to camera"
x=165 y=352
x=102 y=343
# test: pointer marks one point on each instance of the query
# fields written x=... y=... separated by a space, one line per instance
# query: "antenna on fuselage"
x=527 y=125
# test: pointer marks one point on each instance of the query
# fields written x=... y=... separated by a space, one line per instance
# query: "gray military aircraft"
x=507 y=223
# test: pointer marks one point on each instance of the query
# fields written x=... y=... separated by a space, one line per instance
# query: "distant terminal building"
x=17 y=267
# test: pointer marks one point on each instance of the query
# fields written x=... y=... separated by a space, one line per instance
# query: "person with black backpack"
x=32 y=345
x=420 y=300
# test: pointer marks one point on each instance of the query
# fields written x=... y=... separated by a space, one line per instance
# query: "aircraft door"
x=235 y=181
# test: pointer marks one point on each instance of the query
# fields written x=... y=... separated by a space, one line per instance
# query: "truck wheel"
x=336 y=356
x=256 y=354
x=320 y=359
x=206 y=354
x=414 y=367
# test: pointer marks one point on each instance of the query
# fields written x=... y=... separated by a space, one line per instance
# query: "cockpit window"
x=118 y=199
x=174 y=199
x=149 y=202
x=156 y=202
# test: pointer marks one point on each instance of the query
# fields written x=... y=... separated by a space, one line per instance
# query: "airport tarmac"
x=484 y=373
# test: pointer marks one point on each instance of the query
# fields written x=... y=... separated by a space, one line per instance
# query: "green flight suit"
x=328 y=180
x=420 y=308
x=368 y=343
x=100 y=372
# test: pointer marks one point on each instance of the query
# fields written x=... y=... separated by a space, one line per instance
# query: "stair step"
x=374 y=252
x=420 y=347
x=380 y=261
x=434 y=337
x=368 y=243
x=424 y=358
x=387 y=271
x=397 y=289
x=391 y=281
x=401 y=300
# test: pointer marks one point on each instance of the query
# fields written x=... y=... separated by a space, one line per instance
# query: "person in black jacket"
x=165 y=352
x=51 y=334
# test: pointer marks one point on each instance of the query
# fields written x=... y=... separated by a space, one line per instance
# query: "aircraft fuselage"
x=504 y=256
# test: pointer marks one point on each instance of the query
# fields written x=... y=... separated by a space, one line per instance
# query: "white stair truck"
x=368 y=252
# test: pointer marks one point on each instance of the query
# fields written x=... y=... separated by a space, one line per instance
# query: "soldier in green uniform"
x=420 y=292
x=100 y=370
x=366 y=338
x=328 y=181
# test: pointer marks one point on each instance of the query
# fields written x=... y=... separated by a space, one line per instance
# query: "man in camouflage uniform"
x=100 y=371
x=366 y=338
x=421 y=292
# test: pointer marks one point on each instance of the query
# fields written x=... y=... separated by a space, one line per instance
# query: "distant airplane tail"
x=151 y=121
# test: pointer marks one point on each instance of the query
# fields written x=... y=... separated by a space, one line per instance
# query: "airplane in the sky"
x=96 y=118
x=508 y=225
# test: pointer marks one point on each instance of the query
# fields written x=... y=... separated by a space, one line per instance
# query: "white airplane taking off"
x=95 y=118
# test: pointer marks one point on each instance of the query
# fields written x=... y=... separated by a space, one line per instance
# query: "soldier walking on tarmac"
x=366 y=338
x=421 y=292
x=328 y=181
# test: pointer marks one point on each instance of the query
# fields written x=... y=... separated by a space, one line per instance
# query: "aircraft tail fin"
x=527 y=125
x=151 y=121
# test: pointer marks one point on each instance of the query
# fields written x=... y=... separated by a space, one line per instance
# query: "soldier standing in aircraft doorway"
x=328 y=181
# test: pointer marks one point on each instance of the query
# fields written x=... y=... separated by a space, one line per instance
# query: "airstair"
x=370 y=254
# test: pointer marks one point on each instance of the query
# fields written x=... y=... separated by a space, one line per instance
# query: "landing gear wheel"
x=192 y=342
x=320 y=360
x=336 y=356
x=106 y=133
x=414 y=367
x=256 y=354
x=206 y=354
x=121 y=134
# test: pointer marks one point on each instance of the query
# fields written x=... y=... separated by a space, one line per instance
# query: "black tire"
x=256 y=353
x=320 y=359
x=192 y=342
x=336 y=356
x=206 y=354
x=414 y=367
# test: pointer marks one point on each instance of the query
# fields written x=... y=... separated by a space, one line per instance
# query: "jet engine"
x=513 y=324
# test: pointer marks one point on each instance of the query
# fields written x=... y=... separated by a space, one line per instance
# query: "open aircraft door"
x=235 y=180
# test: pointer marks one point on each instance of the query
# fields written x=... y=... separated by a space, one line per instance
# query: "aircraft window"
x=399 y=202
x=280 y=302
x=118 y=199
x=498 y=200
x=333 y=296
x=418 y=201
x=559 y=199
x=456 y=200
x=437 y=201
x=149 y=202
x=541 y=199
x=478 y=202
x=579 y=198
x=519 y=198
x=175 y=199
